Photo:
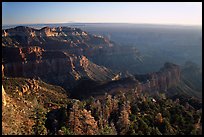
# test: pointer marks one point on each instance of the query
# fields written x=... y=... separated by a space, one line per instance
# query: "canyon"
x=55 y=67
x=167 y=77
x=54 y=77
x=68 y=57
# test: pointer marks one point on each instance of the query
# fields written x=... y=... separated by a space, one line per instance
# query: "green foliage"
x=107 y=130
x=155 y=131
x=142 y=125
x=132 y=117
x=39 y=118
x=66 y=131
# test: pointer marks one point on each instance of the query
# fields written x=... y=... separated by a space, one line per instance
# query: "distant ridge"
x=109 y=24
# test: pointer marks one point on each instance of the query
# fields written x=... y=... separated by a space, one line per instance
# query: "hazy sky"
x=183 y=13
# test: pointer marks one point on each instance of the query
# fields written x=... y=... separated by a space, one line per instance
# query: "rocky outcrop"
x=73 y=40
x=51 y=38
x=62 y=55
x=47 y=51
x=166 y=78
x=21 y=108
x=3 y=97
x=56 y=55
x=56 y=67
x=3 y=92
x=31 y=85
x=20 y=54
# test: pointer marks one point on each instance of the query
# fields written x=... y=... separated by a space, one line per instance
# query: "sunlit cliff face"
x=3 y=92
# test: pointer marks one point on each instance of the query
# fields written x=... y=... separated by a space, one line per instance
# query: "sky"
x=176 y=13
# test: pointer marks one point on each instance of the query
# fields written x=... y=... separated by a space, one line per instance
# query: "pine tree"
x=115 y=104
x=89 y=124
x=155 y=131
x=108 y=130
x=106 y=108
x=98 y=114
x=74 y=122
x=65 y=131
x=123 y=121
x=39 y=118
x=114 y=132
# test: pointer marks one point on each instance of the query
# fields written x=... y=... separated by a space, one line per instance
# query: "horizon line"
x=170 y=24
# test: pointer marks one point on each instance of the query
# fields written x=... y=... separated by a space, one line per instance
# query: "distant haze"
x=180 y=13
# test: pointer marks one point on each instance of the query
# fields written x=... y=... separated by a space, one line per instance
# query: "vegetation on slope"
x=129 y=114
x=27 y=101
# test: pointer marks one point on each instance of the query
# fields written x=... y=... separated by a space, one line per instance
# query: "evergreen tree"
x=39 y=118
x=155 y=131
x=88 y=122
x=66 y=131
x=74 y=122
x=123 y=121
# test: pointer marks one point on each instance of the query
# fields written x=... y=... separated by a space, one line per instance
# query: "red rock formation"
x=31 y=85
x=57 y=67
x=167 y=77
x=52 y=38
x=58 y=55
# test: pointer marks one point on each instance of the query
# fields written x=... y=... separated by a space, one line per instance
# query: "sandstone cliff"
x=99 y=49
x=62 y=55
x=166 y=78
x=56 y=67
x=51 y=38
